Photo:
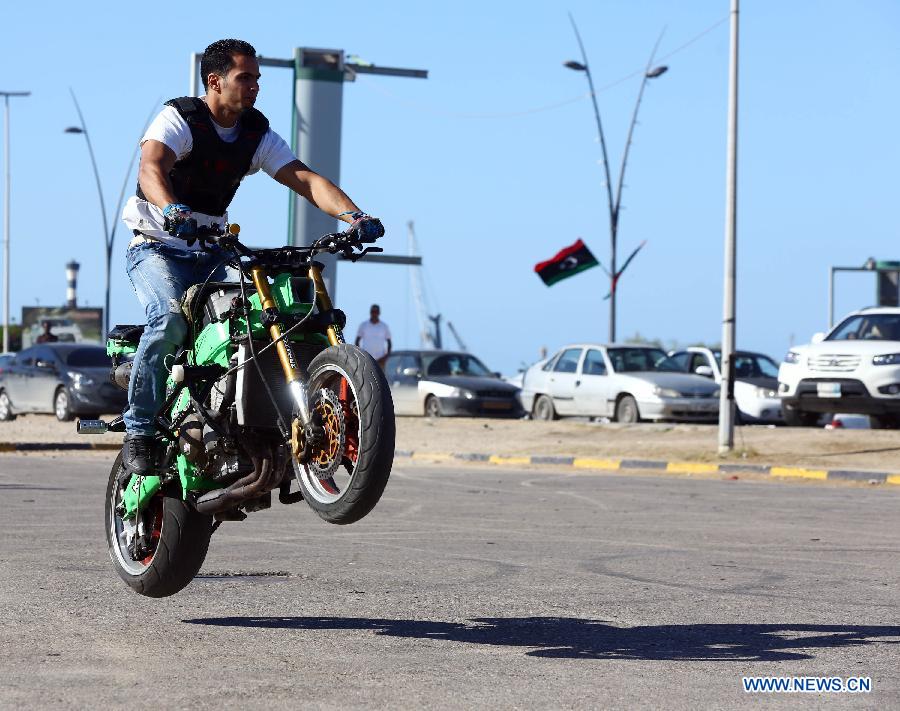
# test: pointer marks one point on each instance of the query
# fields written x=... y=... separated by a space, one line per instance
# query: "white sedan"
x=755 y=380
x=624 y=383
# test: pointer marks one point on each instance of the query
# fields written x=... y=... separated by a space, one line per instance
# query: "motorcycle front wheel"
x=175 y=540
x=348 y=472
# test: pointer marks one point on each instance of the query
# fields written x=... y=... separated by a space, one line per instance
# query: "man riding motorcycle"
x=193 y=157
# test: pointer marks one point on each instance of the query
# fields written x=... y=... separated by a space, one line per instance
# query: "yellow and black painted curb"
x=586 y=463
x=616 y=465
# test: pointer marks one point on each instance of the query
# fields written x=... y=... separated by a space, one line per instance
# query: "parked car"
x=6 y=360
x=66 y=379
x=755 y=380
x=854 y=369
x=444 y=383
x=625 y=383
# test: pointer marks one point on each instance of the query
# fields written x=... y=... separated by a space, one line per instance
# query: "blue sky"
x=493 y=186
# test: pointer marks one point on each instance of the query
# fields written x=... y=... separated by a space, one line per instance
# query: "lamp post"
x=614 y=201
x=109 y=234
x=726 y=395
x=6 y=95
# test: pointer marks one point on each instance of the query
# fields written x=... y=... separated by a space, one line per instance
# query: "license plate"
x=828 y=389
x=497 y=405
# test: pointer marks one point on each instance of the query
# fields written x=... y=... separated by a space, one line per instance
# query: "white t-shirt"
x=373 y=338
x=272 y=154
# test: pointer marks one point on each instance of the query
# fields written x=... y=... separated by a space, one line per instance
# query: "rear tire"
x=61 y=405
x=543 y=409
x=6 y=411
x=181 y=545
x=367 y=437
x=627 y=410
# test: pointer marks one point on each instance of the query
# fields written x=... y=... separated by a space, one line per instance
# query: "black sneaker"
x=137 y=454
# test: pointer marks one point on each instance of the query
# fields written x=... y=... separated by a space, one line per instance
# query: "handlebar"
x=349 y=244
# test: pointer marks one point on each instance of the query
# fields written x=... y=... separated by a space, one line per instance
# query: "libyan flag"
x=568 y=262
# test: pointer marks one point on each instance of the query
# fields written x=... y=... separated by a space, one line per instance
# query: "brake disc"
x=327 y=457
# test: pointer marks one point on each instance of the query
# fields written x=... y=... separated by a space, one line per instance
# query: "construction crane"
x=430 y=333
x=459 y=341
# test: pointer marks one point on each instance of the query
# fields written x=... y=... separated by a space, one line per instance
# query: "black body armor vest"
x=208 y=177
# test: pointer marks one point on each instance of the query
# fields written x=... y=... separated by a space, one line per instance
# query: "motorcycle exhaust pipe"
x=263 y=478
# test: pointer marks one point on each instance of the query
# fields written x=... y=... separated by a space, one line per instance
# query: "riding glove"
x=179 y=223
x=368 y=228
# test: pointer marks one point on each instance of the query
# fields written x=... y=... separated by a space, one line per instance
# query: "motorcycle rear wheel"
x=180 y=539
x=348 y=474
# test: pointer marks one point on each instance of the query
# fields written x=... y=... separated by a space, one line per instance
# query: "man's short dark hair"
x=218 y=58
x=374 y=306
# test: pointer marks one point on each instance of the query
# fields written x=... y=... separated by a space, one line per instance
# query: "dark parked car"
x=443 y=383
x=66 y=379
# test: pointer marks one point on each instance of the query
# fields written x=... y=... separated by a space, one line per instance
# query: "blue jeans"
x=160 y=274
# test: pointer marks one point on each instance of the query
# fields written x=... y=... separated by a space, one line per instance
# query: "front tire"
x=180 y=539
x=627 y=410
x=349 y=472
x=432 y=407
x=6 y=411
x=61 y=406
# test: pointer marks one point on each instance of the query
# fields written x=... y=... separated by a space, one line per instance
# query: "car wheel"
x=432 y=407
x=627 y=410
x=798 y=418
x=6 y=413
x=61 y=406
x=543 y=409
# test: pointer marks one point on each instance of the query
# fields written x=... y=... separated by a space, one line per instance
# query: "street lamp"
x=109 y=234
x=6 y=95
x=614 y=202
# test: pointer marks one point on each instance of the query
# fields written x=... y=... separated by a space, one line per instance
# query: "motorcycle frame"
x=269 y=317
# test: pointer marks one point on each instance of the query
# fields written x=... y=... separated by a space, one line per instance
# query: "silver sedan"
x=624 y=383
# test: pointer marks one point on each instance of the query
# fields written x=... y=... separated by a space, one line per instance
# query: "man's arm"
x=157 y=160
x=320 y=191
x=390 y=348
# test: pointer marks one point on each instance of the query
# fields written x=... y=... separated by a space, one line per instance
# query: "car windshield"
x=751 y=365
x=88 y=358
x=454 y=364
x=868 y=327
x=641 y=360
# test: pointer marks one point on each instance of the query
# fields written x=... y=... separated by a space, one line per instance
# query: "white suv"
x=855 y=368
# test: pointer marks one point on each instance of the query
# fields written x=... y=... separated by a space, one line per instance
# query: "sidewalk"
x=856 y=455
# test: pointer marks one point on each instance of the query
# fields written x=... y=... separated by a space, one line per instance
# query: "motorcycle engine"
x=210 y=453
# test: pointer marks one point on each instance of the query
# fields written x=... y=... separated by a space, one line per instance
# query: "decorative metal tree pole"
x=614 y=202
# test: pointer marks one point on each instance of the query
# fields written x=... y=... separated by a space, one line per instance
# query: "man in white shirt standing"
x=193 y=158
x=374 y=336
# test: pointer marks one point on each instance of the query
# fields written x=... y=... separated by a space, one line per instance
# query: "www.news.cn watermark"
x=807 y=684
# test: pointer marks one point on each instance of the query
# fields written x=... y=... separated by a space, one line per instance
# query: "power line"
x=436 y=111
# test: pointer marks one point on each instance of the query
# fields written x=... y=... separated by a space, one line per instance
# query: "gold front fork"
x=323 y=301
x=285 y=353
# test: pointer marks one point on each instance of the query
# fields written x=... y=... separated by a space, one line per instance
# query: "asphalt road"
x=466 y=588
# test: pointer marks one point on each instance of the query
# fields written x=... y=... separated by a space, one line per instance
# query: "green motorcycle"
x=264 y=393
